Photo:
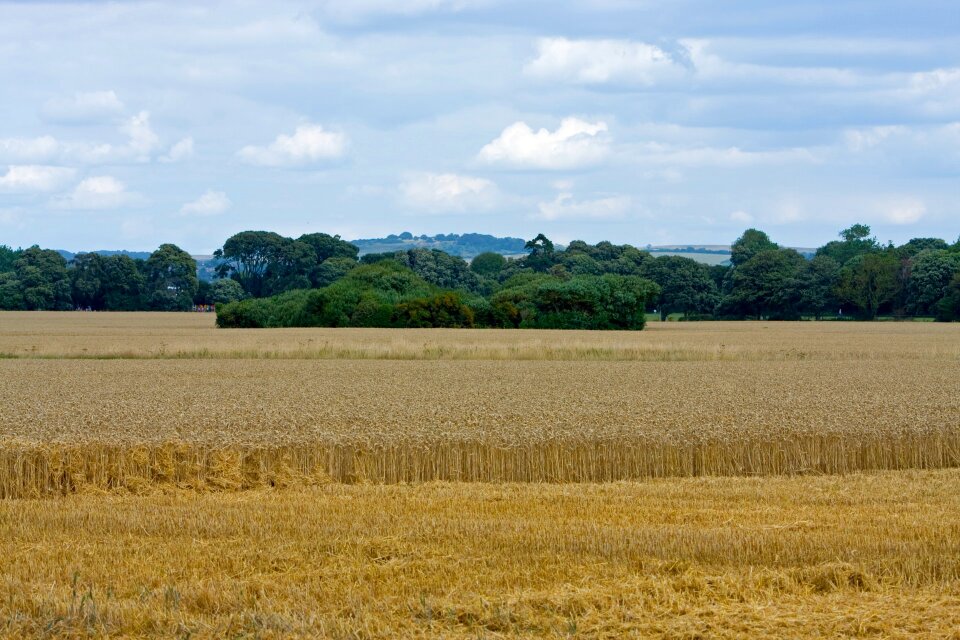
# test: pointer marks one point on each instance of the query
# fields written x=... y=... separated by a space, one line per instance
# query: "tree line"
x=265 y=279
x=42 y=279
x=613 y=286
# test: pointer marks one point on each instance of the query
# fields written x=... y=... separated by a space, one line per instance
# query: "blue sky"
x=128 y=124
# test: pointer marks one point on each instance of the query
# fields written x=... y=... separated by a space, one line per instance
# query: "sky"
x=129 y=124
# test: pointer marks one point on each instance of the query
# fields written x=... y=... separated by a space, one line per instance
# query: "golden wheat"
x=192 y=336
x=861 y=555
x=152 y=424
x=127 y=423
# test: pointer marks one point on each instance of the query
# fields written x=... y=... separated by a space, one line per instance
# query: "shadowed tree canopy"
x=685 y=285
x=488 y=264
x=171 y=278
x=266 y=263
x=868 y=281
x=7 y=257
x=767 y=285
x=855 y=241
x=111 y=283
x=750 y=244
x=931 y=273
x=541 y=253
x=582 y=285
x=38 y=282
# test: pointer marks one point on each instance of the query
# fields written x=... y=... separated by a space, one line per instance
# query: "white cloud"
x=180 y=151
x=98 y=192
x=710 y=67
x=904 y=210
x=661 y=154
x=789 y=210
x=34 y=178
x=862 y=139
x=309 y=143
x=449 y=192
x=576 y=143
x=601 y=61
x=935 y=81
x=564 y=207
x=83 y=107
x=211 y=203
x=39 y=149
x=741 y=216
x=143 y=141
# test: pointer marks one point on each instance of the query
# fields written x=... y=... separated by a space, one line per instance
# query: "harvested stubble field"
x=348 y=445
x=786 y=557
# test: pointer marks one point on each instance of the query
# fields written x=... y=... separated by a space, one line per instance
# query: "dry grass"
x=345 y=443
x=122 y=423
x=855 y=556
x=192 y=336
x=113 y=423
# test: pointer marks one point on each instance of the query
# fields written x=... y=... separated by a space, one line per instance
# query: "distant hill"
x=710 y=254
x=136 y=255
x=467 y=245
x=206 y=267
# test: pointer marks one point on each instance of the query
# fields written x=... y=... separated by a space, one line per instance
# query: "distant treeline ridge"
x=263 y=279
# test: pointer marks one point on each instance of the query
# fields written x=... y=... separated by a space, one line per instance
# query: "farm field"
x=135 y=405
x=161 y=477
x=815 y=556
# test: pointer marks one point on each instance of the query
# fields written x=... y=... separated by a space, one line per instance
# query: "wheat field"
x=128 y=403
x=160 y=477
x=874 y=556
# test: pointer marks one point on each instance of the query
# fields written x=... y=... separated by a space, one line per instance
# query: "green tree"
x=291 y=267
x=326 y=247
x=752 y=242
x=766 y=285
x=248 y=257
x=818 y=281
x=43 y=280
x=916 y=245
x=124 y=283
x=581 y=258
x=855 y=233
x=11 y=299
x=541 y=253
x=440 y=268
x=685 y=285
x=226 y=290
x=266 y=263
x=855 y=241
x=7 y=257
x=581 y=263
x=948 y=309
x=111 y=283
x=331 y=270
x=718 y=273
x=333 y=258
x=488 y=264
x=869 y=281
x=930 y=275
x=171 y=279
x=435 y=266
x=580 y=302
x=445 y=309
x=86 y=281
